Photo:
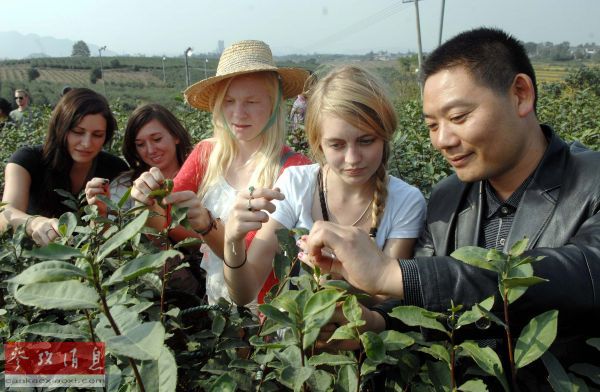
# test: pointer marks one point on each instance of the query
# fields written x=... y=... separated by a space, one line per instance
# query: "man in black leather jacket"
x=514 y=178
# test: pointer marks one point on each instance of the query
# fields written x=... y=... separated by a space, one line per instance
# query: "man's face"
x=474 y=127
x=22 y=100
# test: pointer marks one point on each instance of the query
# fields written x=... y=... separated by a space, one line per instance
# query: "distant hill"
x=14 y=45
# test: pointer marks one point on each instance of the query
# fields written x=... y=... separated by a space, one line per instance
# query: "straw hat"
x=240 y=58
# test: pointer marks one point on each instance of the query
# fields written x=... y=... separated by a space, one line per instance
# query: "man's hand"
x=355 y=257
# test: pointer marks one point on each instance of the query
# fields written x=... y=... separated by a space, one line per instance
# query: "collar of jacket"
x=535 y=209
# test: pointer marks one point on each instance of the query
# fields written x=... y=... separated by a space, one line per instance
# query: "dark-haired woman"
x=81 y=124
x=153 y=138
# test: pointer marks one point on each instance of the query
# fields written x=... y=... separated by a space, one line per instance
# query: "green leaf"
x=271 y=312
x=281 y=266
x=439 y=374
x=474 y=256
x=331 y=360
x=536 y=338
x=474 y=314
x=294 y=377
x=317 y=312
x=125 y=318
x=188 y=243
x=594 y=342
x=160 y=375
x=288 y=302
x=320 y=381
x=48 y=271
x=394 y=340
x=224 y=384
x=351 y=309
x=218 y=325
x=124 y=198
x=475 y=385
x=373 y=346
x=123 y=236
x=143 y=342
x=344 y=332
x=53 y=251
x=522 y=271
x=523 y=282
x=557 y=377
x=259 y=342
x=67 y=224
x=347 y=379
x=54 y=330
x=140 y=266
x=437 y=351
x=585 y=369
x=417 y=317
x=66 y=295
x=486 y=359
x=291 y=356
x=337 y=284
x=519 y=247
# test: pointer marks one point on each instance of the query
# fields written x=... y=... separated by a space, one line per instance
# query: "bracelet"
x=237 y=266
x=212 y=224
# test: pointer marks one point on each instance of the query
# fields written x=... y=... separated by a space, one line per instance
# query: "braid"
x=379 y=198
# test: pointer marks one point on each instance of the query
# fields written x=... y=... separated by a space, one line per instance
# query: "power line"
x=359 y=25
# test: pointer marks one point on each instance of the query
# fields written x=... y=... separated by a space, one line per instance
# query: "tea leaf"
x=64 y=295
x=557 y=376
x=331 y=360
x=474 y=256
x=224 y=384
x=143 y=342
x=344 y=332
x=394 y=340
x=54 y=251
x=55 y=330
x=275 y=314
x=68 y=220
x=319 y=303
x=160 y=375
x=291 y=356
x=585 y=369
x=122 y=236
x=476 y=385
x=439 y=374
x=417 y=317
x=49 y=271
x=536 y=338
x=373 y=346
x=437 y=351
x=319 y=381
x=294 y=377
x=347 y=379
x=474 y=314
x=523 y=282
x=140 y=266
x=519 y=247
x=486 y=359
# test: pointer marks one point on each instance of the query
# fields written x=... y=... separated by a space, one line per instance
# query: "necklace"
x=325 y=209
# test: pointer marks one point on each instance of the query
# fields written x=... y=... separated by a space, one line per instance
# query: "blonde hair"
x=266 y=159
x=357 y=97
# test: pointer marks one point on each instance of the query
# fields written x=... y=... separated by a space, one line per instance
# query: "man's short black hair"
x=491 y=55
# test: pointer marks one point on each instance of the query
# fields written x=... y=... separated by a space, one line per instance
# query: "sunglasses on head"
x=19 y=98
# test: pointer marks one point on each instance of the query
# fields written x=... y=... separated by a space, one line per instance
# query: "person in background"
x=514 y=178
x=246 y=97
x=80 y=125
x=5 y=109
x=153 y=138
x=22 y=113
x=350 y=123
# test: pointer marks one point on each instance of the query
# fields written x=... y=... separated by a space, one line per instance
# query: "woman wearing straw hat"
x=246 y=97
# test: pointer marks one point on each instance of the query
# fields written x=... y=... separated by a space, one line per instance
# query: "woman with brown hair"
x=80 y=126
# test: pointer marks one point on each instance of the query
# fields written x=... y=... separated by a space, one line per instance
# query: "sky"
x=168 y=27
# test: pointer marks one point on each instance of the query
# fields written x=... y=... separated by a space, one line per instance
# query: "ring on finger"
x=48 y=231
x=251 y=191
x=249 y=204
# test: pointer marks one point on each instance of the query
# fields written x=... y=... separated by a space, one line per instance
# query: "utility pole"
x=186 y=54
x=101 y=69
x=420 y=47
x=164 y=75
x=441 y=23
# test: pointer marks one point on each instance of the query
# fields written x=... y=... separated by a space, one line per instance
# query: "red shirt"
x=192 y=172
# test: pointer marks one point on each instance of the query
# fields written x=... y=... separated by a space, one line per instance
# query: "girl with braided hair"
x=350 y=123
